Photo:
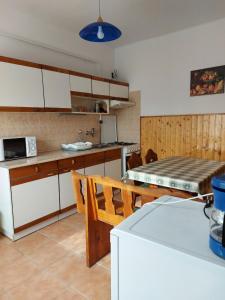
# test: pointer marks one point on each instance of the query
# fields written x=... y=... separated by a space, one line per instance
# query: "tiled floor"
x=50 y=264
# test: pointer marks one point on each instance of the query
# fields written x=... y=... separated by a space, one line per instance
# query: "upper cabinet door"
x=21 y=86
x=100 y=87
x=56 y=89
x=80 y=84
x=119 y=91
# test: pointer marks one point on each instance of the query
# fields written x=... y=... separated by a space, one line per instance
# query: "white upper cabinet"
x=21 y=86
x=120 y=91
x=80 y=84
x=56 y=89
x=100 y=88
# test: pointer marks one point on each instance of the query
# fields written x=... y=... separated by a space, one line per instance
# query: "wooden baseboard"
x=68 y=208
x=42 y=219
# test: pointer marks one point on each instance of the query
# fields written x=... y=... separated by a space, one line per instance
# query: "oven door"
x=14 y=148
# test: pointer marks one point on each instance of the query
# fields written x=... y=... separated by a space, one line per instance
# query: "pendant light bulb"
x=100 y=33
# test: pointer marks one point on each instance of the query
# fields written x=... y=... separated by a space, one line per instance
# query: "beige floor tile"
x=4 y=240
x=4 y=296
x=75 y=243
x=105 y=262
x=15 y=273
x=74 y=220
x=92 y=282
x=69 y=295
x=29 y=243
x=41 y=286
x=8 y=254
x=50 y=264
x=58 y=232
x=47 y=254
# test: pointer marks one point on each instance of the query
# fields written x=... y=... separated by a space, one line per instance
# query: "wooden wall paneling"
x=187 y=135
x=163 y=138
x=223 y=138
x=218 y=137
x=177 y=135
x=173 y=135
x=205 y=137
x=201 y=136
x=194 y=120
x=167 y=136
x=211 y=135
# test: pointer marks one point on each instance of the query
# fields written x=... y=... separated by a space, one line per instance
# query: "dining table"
x=178 y=172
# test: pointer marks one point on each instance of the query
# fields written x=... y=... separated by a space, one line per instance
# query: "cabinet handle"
x=73 y=161
x=36 y=169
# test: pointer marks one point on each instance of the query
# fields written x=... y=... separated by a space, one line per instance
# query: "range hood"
x=117 y=104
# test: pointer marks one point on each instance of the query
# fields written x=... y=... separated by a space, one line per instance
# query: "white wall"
x=160 y=68
x=25 y=37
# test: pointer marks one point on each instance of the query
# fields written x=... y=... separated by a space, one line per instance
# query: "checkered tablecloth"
x=183 y=173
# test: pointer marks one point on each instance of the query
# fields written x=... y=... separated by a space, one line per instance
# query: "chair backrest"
x=150 y=156
x=100 y=219
x=79 y=188
x=134 y=161
x=109 y=213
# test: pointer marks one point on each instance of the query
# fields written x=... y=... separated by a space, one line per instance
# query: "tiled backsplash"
x=51 y=129
x=128 y=120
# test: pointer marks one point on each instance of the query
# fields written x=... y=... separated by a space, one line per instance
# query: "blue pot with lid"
x=217 y=218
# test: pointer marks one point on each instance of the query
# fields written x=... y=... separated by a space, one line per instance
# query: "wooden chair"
x=79 y=188
x=150 y=156
x=99 y=221
x=134 y=161
x=80 y=191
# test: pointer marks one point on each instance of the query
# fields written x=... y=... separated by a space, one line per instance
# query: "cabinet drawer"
x=33 y=172
x=94 y=159
x=73 y=163
x=112 y=154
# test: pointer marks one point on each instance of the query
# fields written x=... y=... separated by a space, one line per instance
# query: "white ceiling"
x=138 y=19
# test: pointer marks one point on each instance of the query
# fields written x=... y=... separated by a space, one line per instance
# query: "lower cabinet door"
x=67 y=197
x=113 y=169
x=34 y=200
x=96 y=170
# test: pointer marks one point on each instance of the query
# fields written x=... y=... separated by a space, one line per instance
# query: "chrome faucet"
x=91 y=132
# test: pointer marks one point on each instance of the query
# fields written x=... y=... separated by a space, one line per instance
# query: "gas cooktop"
x=105 y=145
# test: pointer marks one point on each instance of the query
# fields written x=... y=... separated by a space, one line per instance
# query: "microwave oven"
x=17 y=147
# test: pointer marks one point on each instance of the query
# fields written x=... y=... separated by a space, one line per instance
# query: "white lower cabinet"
x=113 y=169
x=35 y=199
x=66 y=189
x=96 y=170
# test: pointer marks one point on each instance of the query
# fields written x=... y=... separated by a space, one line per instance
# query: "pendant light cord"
x=99 y=8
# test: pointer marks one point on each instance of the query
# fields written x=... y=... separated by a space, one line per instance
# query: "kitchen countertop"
x=51 y=156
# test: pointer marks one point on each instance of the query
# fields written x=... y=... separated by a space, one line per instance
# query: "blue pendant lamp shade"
x=100 y=31
x=90 y=32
